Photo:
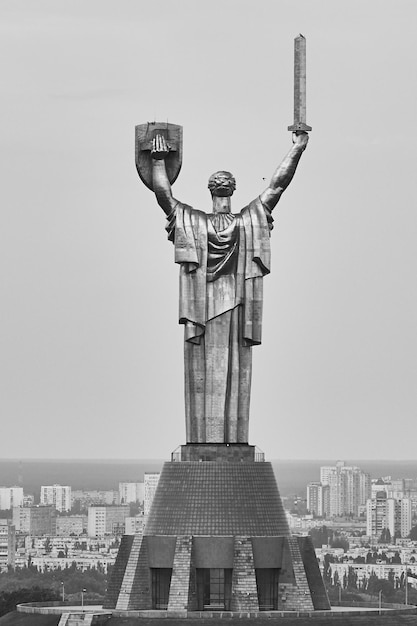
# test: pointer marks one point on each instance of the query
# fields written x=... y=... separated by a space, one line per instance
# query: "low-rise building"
x=71 y=525
x=35 y=520
x=134 y=525
x=7 y=544
x=83 y=499
x=107 y=520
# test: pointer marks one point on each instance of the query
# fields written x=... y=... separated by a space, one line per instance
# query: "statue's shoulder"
x=191 y=211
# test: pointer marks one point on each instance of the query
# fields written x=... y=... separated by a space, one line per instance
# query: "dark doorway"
x=161 y=581
x=214 y=589
x=267 y=585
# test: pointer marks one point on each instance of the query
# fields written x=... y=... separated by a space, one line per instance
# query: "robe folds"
x=223 y=258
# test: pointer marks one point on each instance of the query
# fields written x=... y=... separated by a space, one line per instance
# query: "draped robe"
x=223 y=258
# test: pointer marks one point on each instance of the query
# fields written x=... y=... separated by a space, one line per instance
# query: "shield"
x=144 y=133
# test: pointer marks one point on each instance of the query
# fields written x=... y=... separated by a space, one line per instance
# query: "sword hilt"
x=301 y=126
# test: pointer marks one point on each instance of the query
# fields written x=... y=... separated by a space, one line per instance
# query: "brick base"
x=221 y=514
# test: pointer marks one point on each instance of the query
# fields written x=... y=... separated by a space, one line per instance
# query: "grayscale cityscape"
x=364 y=527
x=208 y=375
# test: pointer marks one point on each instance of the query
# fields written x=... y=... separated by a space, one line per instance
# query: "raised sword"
x=299 y=86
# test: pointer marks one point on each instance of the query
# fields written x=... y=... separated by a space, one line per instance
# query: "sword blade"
x=300 y=91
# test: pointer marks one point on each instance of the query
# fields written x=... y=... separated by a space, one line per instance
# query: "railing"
x=259 y=456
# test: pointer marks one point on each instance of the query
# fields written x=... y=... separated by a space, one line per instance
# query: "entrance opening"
x=267 y=585
x=161 y=581
x=214 y=589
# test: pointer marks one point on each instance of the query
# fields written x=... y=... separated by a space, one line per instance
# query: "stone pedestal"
x=216 y=538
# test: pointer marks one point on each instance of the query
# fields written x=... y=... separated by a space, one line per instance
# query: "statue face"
x=222 y=184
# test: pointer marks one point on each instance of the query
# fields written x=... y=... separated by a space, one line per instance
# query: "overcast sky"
x=91 y=360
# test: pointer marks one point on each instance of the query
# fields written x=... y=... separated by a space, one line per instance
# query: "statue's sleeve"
x=256 y=228
x=187 y=228
x=268 y=215
x=170 y=225
x=257 y=237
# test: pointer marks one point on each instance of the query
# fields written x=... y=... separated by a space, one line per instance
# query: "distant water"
x=79 y=474
x=292 y=476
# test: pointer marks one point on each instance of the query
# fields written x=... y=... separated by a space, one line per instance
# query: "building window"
x=267 y=587
x=214 y=589
x=161 y=581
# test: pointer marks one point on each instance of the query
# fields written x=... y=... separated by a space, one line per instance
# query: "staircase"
x=83 y=619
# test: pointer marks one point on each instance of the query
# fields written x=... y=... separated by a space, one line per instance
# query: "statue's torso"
x=223 y=242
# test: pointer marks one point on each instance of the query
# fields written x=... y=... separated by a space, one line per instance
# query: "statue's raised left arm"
x=285 y=171
x=161 y=184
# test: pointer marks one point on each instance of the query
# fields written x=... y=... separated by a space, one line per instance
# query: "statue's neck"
x=221 y=204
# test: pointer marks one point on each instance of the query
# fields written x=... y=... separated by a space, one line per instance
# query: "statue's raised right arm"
x=285 y=171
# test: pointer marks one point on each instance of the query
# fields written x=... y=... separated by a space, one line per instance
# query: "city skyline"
x=82 y=239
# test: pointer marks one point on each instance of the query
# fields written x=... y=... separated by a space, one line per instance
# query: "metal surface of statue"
x=223 y=257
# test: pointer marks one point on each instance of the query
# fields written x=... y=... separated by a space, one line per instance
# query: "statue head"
x=222 y=183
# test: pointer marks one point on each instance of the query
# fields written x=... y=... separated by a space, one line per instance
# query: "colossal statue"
x=223 y=257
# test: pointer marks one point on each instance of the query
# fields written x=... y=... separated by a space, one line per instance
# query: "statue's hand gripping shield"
x=144 y=134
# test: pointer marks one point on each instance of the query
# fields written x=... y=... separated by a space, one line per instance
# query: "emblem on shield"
x=144 y=133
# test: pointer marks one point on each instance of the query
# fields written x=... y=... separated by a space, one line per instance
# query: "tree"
x=391 y=578
x=396 y=558
x=320 y=536
x=413 y=533
x=340 y=542
x=9 y=599
x=385 y=536
x=327 y=570
x=352 y=578
x=370 y=558
x=372 y=582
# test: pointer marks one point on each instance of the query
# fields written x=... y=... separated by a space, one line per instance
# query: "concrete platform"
x=388 y=615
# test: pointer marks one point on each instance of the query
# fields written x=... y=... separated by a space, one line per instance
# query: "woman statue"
x=223 y=257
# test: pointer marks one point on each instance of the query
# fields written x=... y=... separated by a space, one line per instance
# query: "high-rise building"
x=318 y=499
x=58 y=496
x=349 y=488
x=107 y=520
x=151 y=480
x=405 y=506
x=35 y=520
x=396 y=489
x=388 y=513
x=10 y=497
x=131 y=492
x=325 y=470
x=376 y=515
